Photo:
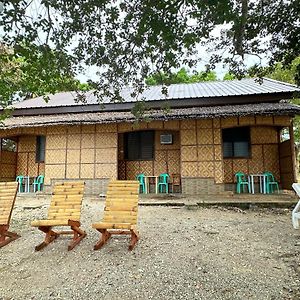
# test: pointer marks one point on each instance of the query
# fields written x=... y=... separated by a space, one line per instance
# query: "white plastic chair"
x=296 y=210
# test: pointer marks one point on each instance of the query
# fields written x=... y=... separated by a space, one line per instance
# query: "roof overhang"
x=270 y=109
x=157 y=104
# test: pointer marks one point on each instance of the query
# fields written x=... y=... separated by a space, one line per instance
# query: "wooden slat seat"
x=120 y=212
x=8 y=192
x=64 y=210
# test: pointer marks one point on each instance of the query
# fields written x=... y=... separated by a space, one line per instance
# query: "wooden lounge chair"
x=8 y=192
x=64 y=210
x=120 y=212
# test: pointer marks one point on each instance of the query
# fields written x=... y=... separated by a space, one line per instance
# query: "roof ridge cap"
x=280 y=82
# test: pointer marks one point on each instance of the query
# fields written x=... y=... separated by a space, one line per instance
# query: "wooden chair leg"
x=6 y=236
x=105 y=235
x=49 y=238
x=134 y=238
x=79 y=234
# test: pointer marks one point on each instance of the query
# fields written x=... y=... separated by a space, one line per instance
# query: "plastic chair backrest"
x=270 y=176
x=19 y=178
x=40 y=179
x=140 y=178
x=163 y=178
x=240 y=177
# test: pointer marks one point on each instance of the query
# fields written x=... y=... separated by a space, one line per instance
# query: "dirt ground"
x=202 y=253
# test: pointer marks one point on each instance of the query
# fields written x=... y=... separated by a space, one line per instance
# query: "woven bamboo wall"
x=91 y=151
x=286 y=165
x=85 y=152
x=8 y=161
x=21 y=162
x=264 y=146
x=26 y=163
x=166 y=157
x=201 y=151
x=201 y=147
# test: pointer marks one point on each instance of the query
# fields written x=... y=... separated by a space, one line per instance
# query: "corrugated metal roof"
x=199 y=90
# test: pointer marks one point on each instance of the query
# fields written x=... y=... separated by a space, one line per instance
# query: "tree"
x=182 y=76
x=289 y=74
x=286 y=74
x=33 y=72
x=130 y=40
x=229 y=76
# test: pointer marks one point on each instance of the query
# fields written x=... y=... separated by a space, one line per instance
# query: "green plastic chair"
x=241 y=182
x=20 y=179
x=141 y=179
x=271 y=183
x=163 y=182
x=38 y=183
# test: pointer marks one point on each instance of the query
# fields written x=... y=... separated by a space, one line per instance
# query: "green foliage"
x=34 y=71
x=288 y=74
x=139 y=110
x=131 y=40
x=229 y=76
x=182 y=76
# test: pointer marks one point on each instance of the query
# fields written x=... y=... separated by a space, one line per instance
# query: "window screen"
x=40 y=148
x=236 y=142
x=139 y=145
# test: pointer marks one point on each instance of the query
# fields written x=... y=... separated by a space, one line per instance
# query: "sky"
x=221 y=70
x=91 y=71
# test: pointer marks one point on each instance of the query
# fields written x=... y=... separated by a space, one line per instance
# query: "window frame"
x=139 y=134
x=38 y=157
x=232 y=142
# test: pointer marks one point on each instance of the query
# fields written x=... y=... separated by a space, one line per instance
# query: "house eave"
x=157 y=104
x=264 y=109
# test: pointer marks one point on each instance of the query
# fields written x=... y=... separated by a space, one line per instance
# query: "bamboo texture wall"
x=286 y=164
x=8 y=161
x=27 y=164
x=201 y=147
x=166 y=157
x=85 y=152
x=91 y=151
x=264 y=155
x=264 y=146
x=201 y=151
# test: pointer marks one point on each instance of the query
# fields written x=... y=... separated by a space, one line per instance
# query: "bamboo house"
x=210 y=131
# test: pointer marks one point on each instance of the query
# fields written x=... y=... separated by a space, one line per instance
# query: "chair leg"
x=134 y=238
x=277 y=187
x=6 y=236
x=105 y=236
x=49 y=238
x=79 y=234
x=238 y=188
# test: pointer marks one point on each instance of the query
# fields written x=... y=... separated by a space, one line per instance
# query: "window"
x=139 y=145
x=40 y=148
x=236 y=142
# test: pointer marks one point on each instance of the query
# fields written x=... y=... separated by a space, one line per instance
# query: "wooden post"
x=292 y=141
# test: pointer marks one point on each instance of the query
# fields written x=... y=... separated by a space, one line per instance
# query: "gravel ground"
x=200 y=253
